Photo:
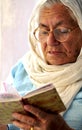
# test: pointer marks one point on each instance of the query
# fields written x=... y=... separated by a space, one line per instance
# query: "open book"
x=45 y=97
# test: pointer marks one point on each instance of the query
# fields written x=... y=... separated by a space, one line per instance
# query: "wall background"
x=13 y=23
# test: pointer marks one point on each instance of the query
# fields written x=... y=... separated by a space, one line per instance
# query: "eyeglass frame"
x=68 y=31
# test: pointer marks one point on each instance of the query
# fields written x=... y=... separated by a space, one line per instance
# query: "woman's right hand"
x=40 y=120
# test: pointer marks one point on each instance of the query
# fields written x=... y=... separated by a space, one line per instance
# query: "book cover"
x=45 y=98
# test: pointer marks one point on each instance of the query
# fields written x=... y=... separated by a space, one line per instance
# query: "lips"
x=54 y=52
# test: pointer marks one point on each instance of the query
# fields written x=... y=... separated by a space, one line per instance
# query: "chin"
x=55 y=63
x=61 y=62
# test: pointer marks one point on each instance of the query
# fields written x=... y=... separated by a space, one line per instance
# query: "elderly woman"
x=55 y=34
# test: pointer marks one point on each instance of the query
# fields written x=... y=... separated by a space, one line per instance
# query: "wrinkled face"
x=64 y=51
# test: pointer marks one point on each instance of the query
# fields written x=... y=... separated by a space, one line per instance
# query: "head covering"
x=66 y=78
x=76 y=7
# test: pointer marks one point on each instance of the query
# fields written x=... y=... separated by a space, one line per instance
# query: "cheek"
x=72 y=43
x=72 y=48
x=44 y=47
x=77 y=51
x=68 y=47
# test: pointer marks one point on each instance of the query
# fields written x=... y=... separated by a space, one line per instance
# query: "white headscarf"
x=67 y=78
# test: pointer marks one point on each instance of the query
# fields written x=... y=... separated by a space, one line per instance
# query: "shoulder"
x=73 y=116
x=19 y=74
x=17 y=69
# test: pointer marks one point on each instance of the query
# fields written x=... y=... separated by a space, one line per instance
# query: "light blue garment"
x=12 y=127
x=22 y=82
x=73 y=116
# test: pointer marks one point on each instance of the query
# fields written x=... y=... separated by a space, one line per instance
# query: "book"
x=45 y=98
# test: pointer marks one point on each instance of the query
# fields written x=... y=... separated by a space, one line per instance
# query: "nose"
x=51 y=40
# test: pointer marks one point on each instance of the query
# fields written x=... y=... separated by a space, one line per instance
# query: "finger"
x=24 y=118
x=41 y=115
x=21 y=125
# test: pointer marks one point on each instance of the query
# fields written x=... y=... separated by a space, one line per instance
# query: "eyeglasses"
x=60 y=34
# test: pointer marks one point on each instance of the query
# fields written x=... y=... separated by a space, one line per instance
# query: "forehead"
x=56 y=13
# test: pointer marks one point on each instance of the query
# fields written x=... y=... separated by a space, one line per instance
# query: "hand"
x=3 y=127
x=39 y=120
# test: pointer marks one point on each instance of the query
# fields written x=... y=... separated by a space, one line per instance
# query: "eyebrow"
x=45 y=26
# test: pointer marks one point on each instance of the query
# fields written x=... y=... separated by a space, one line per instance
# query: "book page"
x=8 y=93
x=6 y=110
x=10 y=101
x=42 y=89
